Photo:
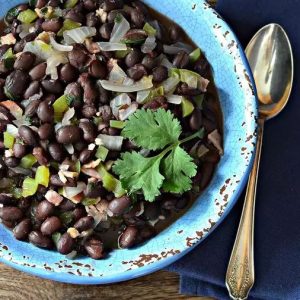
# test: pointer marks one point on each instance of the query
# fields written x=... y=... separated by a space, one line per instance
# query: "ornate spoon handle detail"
x=240 y=271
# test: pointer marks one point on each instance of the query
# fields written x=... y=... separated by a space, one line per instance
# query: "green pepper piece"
x=187 y=107
x=8 y=140
x=29 y=187
x=27 y=16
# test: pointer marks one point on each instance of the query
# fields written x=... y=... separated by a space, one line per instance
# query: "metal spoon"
x=271 y=60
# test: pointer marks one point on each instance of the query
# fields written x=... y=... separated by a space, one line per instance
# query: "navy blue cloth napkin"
x=277 y=221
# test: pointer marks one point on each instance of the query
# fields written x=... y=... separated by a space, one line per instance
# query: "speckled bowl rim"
x=226 y=193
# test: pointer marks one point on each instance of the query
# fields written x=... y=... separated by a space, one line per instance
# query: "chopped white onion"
x=215 y=138
x=144 y=84
x=102 y=14
x=110 y=142
x=59 y=47
x=174 y=49
x=40 y=49
x=170 y=84
x=71 y=192
x=24 y=30
x=149 y=45
x=92 y=165
x=78 y=35
x=116 y=74
x=69 y=148
x=175 y=99
x=166 y=63
x=98 y=211
x=203 y=83
x=125 y=113
x=91 y=172
x=69 y=114
x=11 y=129
x=53 y=62
x=141 y=96
x=109 y=46
x=71 y=255
x=118 y=102
x=128 y=81
x=141 y=211
x=13 y=108
x=119 y=30
x=21 y=121
x=185 y=46
x=157 y=27
x=53 y=197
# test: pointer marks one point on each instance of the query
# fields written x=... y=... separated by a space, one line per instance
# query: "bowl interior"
x=237 y=96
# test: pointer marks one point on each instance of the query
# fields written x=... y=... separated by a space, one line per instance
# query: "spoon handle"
x=240 y=271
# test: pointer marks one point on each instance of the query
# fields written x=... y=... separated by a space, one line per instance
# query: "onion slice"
x=109 y=46
x=78 y=35
x=175 y=99
x=110 y=142
x=149 y=45
x=144 y=84
x=120 y=28
x=59 y=47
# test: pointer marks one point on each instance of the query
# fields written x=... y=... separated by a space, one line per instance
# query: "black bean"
x=89 y=5
x=69 y=134
x=84 y=223
x=175 y=33
x=44 y=210
x=196 y=119
x=157 y=102
x=6 y=199
x=184 y=89
x=24 y=204
x=207 y=170
x=75 y=16
x=202 y=67
x=38 y=72
x=98 y=69
x=65 y=244
x=135 y=36
x=94 y=190
x=3 y=125
x=53 y=25
x=85 y=156
x=67 y=205
x=133 y=57
x=94 y=248
x=89 y=132
x=54 y=3
x=11 y=162
x=181 y=60
x=56 y=151
x=68 y=73
x=160 y=74
x=209 y=125
x=152 y=210
x=78 y=213
x=38 y=26
x=22 y=229
x=16 y=84
x=45 y=131
x=38 y=239
x=74 y=90
x=147 y=232
x=40 y=3
x=118 y=206
x=51 y=225
x=182 y=202
x=212 y=157
x=5 y=114
x=137 y=18
x=40 y=155
x=32 y=108
x=92 y=20
x=28 y=135
x=25 y=61
x=169 y=203
x=45 y=112
x=10 y=213
x=103 y=95
x=137 y=72
x=80 y=146
x=78 y=56
x=53 y=86
x=149 y=62
x=33 y=88
x=2 y=95
x=106 y=30
x=88 y=111
x=109 y=5
x=128 y=237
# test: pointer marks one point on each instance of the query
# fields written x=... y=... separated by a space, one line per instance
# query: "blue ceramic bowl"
x=237 y=95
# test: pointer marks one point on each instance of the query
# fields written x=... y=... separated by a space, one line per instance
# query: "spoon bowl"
x=270 y=57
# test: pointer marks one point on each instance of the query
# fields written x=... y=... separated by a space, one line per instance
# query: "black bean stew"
x=109 y=124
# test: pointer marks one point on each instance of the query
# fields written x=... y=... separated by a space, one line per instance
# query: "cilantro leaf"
x=152 y=130
x=178 y=168
x=140 y=173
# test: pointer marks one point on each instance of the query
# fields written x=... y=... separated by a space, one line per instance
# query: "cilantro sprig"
x=171 y=170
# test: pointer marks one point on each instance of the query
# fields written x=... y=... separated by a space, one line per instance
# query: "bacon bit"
x=92 y=165
x=73 y=232
x=91 y=172
x=215 y=138
x=8 y=39
x=53 y=197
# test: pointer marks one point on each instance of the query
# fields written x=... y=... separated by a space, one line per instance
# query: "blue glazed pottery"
x=237 y=96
